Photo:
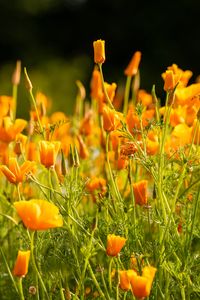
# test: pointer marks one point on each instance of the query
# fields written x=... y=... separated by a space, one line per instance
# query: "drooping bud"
x=28 y=83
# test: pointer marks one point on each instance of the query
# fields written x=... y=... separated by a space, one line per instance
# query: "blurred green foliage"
x=55 y=78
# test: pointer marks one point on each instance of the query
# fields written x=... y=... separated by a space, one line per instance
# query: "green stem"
x=109 y=274
x=18 y=192
x=62 y=296
x=126 y=94
x=105 y=286
x=113 y=183
x=183 y=293
x=37 y=114
x=35 y=266
x=95 y=281
x=14 y=96
x=104 y=88
x=20 y=288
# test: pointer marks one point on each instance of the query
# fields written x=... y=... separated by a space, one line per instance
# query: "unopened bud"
x=17 y=73
x=28 y=83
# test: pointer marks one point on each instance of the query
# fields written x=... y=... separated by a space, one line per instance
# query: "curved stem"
x=104 y=88
x=35 y=266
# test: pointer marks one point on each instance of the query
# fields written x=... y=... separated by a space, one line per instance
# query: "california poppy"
x=38 y=214
x=141 y=285
x=21 y=264
x=114 y=244
x=9 y=130
x=140 y=192
x=48 y=153
x=15 y=173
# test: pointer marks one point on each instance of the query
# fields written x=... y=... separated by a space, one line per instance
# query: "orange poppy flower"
x=170 y=80
x=9 y=130
x=114 y=244
x=96 y=85
x=144 y=98
x=99 y=51
x=21 y=264
x=179 y=75
x=15 y=173
x=6 y=105
x=140 y=192
x=185 y=95
x=124 y=281
x=48 y=153
x=20 y=143
x=141 y=285
x=111 y=119
x=37 y=214
x=132 y=67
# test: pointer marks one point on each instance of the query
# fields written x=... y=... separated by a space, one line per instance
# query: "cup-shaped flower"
x=111 y=119
x=132 y=67
x=140 y=192
x=38 y=214
x=141 y=285
x=99 y=51
x=21 y=263
x=9 y=130
x=114 y=244
x=48 y=153
x=124 y=281
x=15 y=173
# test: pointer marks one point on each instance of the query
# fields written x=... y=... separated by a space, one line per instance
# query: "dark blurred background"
x=53 y=38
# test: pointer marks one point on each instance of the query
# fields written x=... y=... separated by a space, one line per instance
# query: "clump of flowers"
x=85 y=192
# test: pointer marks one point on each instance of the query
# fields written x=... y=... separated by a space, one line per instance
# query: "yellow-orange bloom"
x=141 y=285
x=9 y=130
x=6 y=105
x=38 y=214
x=132 y=67
x=15 y=173
x=99 y=51
x=125 y=276
x=111 y=119
x=170 y=80
x=179 y=75
x=20 y=143
x=140 y=192
x=48 y=153
x=114 y=244
x=21 y=264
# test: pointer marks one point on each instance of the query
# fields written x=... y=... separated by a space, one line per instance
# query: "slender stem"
x=37 y=114
x=183 y=293
x=18 y=191
x=126 y=94
x=109 y=274
x=104 y=88
x=113 y=183
x=20 y=288
x=35 y=266
x=95 y=281
x=8 y=269
x=14 y=96
x=62 y=296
